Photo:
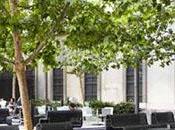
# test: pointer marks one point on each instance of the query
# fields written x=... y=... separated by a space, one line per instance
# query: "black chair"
x=75 y=117
x=128 y=122
x=4 y=112
x=54 y=126
x=9 y=128
x=36 y=119
x=163 y=119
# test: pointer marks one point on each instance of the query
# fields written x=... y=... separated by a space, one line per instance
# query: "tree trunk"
x=14 y=86
x=26 y=109
x=19 y=67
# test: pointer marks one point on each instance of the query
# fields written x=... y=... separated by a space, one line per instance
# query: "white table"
x=3 y=125
x=91 y=127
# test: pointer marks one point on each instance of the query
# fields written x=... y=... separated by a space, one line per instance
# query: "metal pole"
x=136 y=89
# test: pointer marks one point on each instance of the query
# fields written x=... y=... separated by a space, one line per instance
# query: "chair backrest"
x=54 y=126
x=162 y=117
x=9 y=128
x=41 y=109
x=3 y=103
x=87 y=111
x=75 y=117
x=126 y=120
x=107 y=111
x=4 y=112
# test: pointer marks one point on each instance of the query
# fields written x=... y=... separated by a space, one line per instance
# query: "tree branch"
x=80 y=74
x=34 y=54
x=70 y=72
x=41 y=45
x=63 y=13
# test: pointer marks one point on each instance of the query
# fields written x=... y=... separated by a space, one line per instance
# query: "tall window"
x=5 y=85
x=90 y=87
x=130 y=84
x=57 y=84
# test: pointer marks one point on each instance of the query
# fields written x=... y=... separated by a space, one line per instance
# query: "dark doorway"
x=6 y=84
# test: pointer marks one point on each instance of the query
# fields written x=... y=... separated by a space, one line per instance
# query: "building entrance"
x=6 y=84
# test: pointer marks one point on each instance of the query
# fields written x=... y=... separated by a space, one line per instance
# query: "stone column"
x=41 y=86
x=50 y=85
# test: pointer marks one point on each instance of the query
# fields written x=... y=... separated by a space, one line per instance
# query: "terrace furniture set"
x=73 y=120
x=160 y=121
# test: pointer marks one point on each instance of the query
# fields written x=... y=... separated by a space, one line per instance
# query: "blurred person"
x=11 y=106
x=72 y=103
x=72 y=106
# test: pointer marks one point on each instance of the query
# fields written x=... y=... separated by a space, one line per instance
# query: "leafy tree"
x=128 y=30
x=80 y=61
x=30 y=31
x=123 y=33
x=139 y=29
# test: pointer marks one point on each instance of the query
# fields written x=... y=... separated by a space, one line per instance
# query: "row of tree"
x=86 y=35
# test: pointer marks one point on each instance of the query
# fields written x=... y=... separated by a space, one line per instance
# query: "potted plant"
x=124 y=107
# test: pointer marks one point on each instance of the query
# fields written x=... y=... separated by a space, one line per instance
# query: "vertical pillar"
x=144 y=91
x=99 y=91
x=41 y=82
x=50 y=84
x=64 y=85
x=36 y=82
x=124 y=85
x=46 y=84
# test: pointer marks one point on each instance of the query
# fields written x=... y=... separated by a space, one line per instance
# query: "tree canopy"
x=124 y=30
x=132 y=29
x=120 y=33
x=96 y=33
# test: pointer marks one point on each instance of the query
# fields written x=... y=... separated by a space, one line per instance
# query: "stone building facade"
x=157 y=85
